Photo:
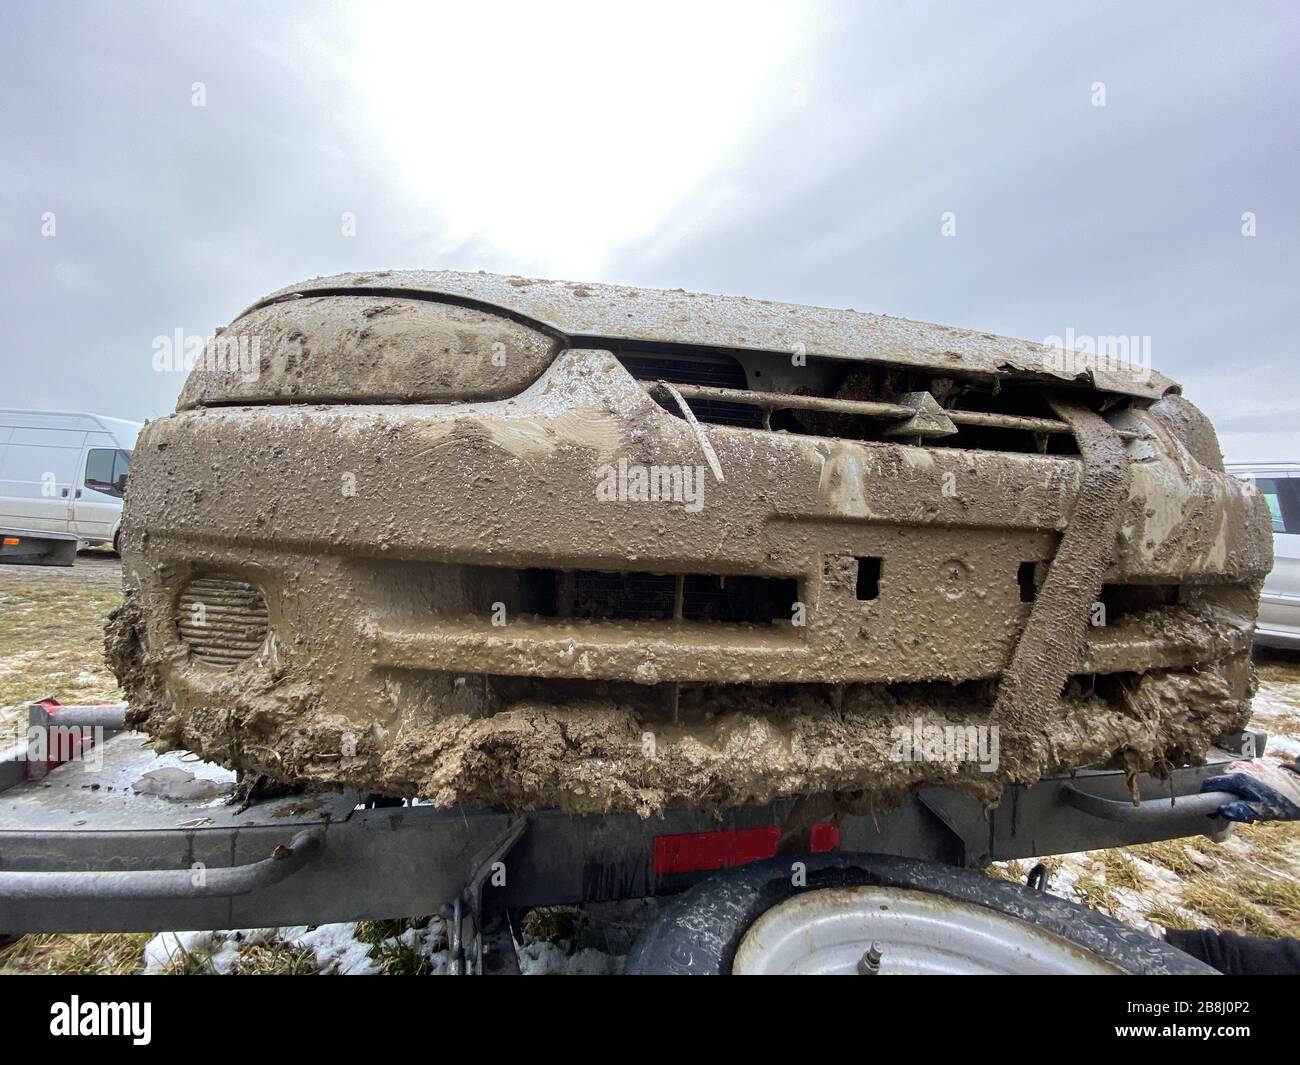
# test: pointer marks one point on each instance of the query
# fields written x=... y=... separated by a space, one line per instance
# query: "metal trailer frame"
x=81 y=850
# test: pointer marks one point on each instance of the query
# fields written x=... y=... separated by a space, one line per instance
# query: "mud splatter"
x=389 y=490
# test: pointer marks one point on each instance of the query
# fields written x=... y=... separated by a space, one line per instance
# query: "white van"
x=62 y=480
x=1279 y=603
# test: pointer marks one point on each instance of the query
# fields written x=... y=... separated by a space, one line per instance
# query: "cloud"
x=796 y=152
x=555 y=133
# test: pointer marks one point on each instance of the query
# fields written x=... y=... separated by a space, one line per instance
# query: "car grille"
x=222 y=620
x=850 y=400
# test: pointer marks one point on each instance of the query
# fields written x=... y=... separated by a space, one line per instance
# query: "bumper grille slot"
x=705 y=371
x=1128 y=600
x=618 y=596
x=598 y=595
x=852 y=401
x=222 y=620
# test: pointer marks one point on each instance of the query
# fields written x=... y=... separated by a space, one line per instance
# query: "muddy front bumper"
x=415 y=530
x=416 y=566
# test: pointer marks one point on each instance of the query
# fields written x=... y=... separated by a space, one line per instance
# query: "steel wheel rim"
x=830 y=930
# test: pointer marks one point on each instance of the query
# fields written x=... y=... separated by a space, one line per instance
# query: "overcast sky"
x=805 y=153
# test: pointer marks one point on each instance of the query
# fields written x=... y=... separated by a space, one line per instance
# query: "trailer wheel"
x=863 y=913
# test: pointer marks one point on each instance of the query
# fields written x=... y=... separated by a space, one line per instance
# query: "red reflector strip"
x=694 y=852
x=824 y=837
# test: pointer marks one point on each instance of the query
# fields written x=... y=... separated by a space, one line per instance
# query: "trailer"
x=99 y=833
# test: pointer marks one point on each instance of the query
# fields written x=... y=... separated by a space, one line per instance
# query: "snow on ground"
x=1276 y=710
x=337 y=950
x=1248 y=883
x=218 y=950
x=568 y=941
x=541 y=958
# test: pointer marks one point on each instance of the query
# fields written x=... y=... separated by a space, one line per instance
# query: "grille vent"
x=221 y=620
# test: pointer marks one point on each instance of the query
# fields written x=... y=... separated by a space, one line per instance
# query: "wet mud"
x=355 y=517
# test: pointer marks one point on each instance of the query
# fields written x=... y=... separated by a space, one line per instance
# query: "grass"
x=1276 y=666
x=375 y=932
x=1168 y=917
x=1275 y=842
x=1248 y=889
x=396 y=959
x=1092 y=893
x=190 y=963
x=1015 y=871
x=1121 y=872
x=275 y=959
x=115 y=954
x=1280 y=897
x=401 y=959
x=52 y=643
x=1228 y=910
x=553 y=923
x=1171 y=854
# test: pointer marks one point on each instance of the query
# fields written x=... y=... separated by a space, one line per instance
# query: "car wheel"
x=858 y=913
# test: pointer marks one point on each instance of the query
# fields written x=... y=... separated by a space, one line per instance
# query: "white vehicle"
x=62 y=481
x=1279 y=605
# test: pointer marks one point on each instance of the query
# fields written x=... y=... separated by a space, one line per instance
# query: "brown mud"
x=383 y=505
x=1052 y=642
x=729 y=746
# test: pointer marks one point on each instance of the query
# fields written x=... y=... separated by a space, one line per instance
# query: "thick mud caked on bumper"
x=619 y=750
x=408 y=583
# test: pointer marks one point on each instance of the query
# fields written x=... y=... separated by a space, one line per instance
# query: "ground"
x=51 y=643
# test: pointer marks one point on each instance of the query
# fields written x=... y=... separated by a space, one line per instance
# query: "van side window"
x=121 y=465
x=106 y=470
x=1283 y=497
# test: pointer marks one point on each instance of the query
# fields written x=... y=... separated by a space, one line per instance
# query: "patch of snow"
x=542 y=958
x=1130 y=907
x=217 y=950
x=223 y=960
x=430 y=941
x=1165 y=886
x=335 y=947
x=1278 y=743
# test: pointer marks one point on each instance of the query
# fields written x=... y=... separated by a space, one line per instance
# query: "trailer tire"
x=699 y=932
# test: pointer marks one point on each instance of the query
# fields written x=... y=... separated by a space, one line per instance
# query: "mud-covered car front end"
x=527 y=544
